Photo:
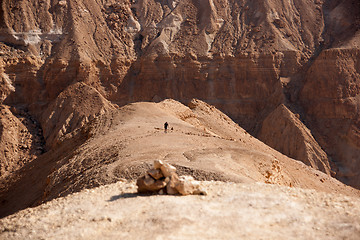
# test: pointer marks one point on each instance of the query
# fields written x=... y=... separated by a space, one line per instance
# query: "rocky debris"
x=163 y=179
x=279 y=23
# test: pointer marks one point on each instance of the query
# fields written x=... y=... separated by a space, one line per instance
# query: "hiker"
x=166 y=126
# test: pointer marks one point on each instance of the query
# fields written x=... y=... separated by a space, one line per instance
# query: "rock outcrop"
x=71 y=112
x=331 y=100
x=162 y=179
x=6 y=86
x=20 y=140
x=283 y=131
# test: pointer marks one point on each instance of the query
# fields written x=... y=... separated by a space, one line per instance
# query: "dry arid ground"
x=202 y=142
x=262 y=98
x=122 y=143
x=229 y=211
x=257 y=61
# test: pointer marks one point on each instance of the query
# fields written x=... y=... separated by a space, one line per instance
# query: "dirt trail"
x=229 y=211
x=123 y=143
x=203 y=143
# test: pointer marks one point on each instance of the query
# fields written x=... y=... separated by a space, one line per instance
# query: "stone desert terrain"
x=202 y=142
x=241 y=211
x=262 y=100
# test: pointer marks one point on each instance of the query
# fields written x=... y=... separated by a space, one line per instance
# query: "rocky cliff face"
x=245 y=57
x=283 y=131
x=331 y=101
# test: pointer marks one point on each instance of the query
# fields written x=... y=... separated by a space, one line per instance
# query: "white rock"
x=158 y=164
x=167 y=169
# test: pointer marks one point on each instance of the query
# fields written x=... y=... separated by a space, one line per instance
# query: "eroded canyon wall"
x=245 y=57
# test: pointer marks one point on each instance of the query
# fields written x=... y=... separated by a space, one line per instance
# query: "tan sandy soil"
x=229 y=211
x=123 y=143
x=204 y=143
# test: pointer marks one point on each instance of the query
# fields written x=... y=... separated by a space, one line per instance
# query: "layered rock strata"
x=331 y=100
x=245 y=57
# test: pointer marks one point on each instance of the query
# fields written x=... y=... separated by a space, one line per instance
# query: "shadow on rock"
x=125 y=195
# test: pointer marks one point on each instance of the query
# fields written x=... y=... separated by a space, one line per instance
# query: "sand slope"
x=122 y=143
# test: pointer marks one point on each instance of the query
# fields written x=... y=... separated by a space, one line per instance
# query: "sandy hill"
x=107 y=144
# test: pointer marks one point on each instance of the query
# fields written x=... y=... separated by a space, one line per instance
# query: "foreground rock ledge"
x=229 y=211
x=162 y=179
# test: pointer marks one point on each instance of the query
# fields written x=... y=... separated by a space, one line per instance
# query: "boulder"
x=167 y=170
x=148 y=184
x=187 y=185
x=158 y=164
x=163 y=179
x=155 y=173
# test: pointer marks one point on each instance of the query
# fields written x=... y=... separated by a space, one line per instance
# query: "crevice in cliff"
x=333 y=36
x=33 y=127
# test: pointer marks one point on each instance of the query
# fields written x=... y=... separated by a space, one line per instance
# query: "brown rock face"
x=14 y=142
x=5 y=86
x=71 y=112
x=234 y=84
x=331 y=99
x=283 y=131
x=20 y=140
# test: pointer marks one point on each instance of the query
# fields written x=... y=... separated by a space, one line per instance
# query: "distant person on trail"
x=166 y=126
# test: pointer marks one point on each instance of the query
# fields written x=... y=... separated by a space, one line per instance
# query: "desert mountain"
x=244 y=57
x=109 y=144
x=84 y=83
x=119 y=145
